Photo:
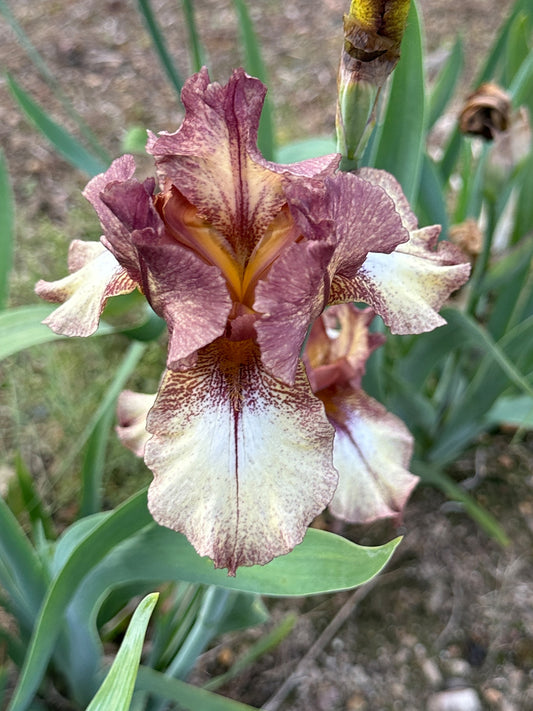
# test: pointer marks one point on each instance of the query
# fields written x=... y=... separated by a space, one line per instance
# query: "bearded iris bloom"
x=240 y=256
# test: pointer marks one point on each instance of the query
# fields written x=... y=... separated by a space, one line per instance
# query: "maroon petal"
x=289 y=299
x=214 y=161
x=189 y=294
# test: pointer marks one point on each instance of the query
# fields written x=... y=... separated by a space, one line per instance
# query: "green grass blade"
x=401 y=141
x=497 y=52
x=132 y=357
x=94 y=462
x=117 y=689
x=22 y=564
x=32 y=501
x=480 y=336
x=431 y=209
x=7 y=230
x=21 y=328
x=52 y=82
x=197 y=52
x=63 y=142
x=121 y=524
x=185 y=695
x=254 y=65
x=445 y=83
x=160 y=45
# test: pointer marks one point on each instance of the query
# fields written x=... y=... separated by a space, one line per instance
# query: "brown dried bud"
x=486 y=112
x=468 y=237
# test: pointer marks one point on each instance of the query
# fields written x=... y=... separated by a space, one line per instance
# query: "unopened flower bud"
x=486 y=112
x=373 y=32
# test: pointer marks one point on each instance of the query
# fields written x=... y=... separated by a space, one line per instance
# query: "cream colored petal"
x=84 y=293
x=242 y=463
x=408 y=287
x=371 y=453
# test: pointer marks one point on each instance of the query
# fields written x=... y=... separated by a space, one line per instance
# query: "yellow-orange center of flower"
x=186 y=226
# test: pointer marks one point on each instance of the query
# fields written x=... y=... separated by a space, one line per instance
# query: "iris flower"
x=240 y=256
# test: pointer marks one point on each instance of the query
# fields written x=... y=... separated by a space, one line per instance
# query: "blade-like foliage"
x=117 y=689
x=7 y=230
x=62 y=141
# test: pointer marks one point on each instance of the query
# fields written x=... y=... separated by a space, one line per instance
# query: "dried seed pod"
x=468 y=236
x=486 y=112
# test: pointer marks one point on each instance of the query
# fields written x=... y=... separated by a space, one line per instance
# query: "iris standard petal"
x=96 y=275
x=214 y=161
x=241 y=462
x=371 y=453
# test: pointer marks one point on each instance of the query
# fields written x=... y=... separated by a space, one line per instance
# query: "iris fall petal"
x=241 y=462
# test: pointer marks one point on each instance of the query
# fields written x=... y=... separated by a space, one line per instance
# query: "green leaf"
x=308 y=148
x=431 y=205
x=7 y=230
x=32 y=501
x=322 y=563
x=196 y=50
x=21 y=564
x=52 y=82
x=92 y=474
x=21 y=328
x=63 y=142
x=517 y=47
x=188 y=697
x=514 y=410
x=254 y=65
x=160 y=45
x=111 y=530
x=446 y=82
x=497 y=52
x=402 y=135
x=117 y=689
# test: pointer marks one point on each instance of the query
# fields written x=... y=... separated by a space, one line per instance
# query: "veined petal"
x=339 y=345
x=214 y=161
x=97 y=276
x=392 y=187
x=121 y=169
x=366 y=221
x=409 y=286
x=132 y=411
x=289 y=299
x=241 y=462
x=189 y=294
x=372 y=451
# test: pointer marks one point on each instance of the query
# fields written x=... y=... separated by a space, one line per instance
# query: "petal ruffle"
x=366 y=221
x=409 y=286
x=121 y=169
x=241 y=462
x=132 y=411
x=214 y=161
x=96 y=275
x=371 y=453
